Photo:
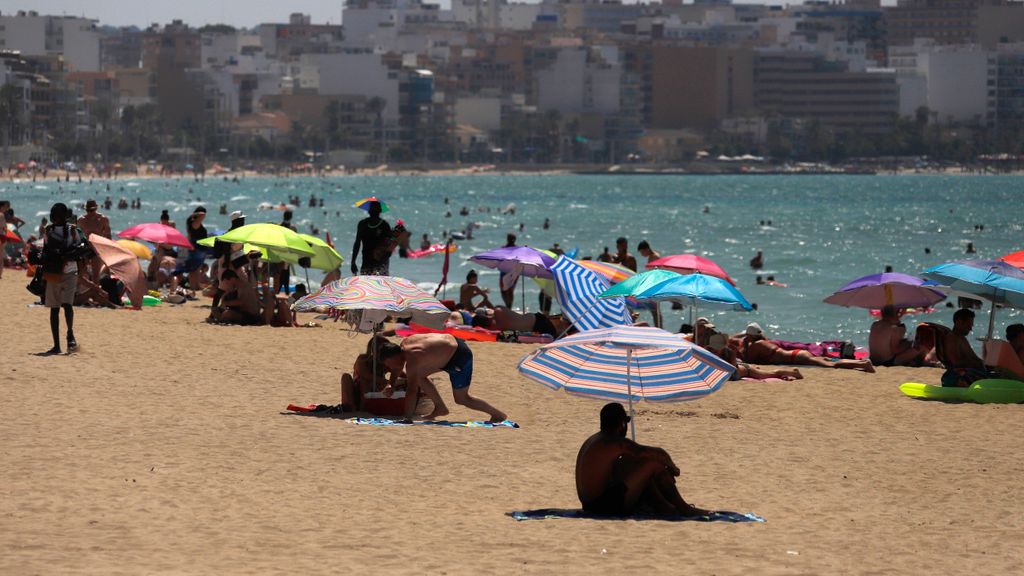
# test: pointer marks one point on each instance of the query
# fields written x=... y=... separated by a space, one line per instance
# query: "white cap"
x=236 y=215
x=754 y=329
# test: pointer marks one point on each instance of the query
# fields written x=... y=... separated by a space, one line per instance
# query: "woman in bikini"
x=757 y=349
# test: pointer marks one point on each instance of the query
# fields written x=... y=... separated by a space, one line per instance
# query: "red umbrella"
x=9 y=236
x=690 y=264
x=123 y=264
x=1015 y=259
x=156 y=233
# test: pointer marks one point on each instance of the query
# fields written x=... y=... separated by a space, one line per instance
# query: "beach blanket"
x=549 y=513
x=470 y=424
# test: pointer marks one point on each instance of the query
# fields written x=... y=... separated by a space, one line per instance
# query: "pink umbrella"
x=123 y=264
x=690 y=264
x=156 y=233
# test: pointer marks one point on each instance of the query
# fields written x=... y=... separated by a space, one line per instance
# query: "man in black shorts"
x=421 y=355
x=618 y=477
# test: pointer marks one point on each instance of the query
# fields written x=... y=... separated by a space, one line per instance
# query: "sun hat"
x=754 y=329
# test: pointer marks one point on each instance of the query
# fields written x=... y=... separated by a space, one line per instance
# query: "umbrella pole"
x=629 y=392
x=991 y=321
x=522 y=294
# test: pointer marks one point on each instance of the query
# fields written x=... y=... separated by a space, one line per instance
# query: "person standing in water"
x=374 y=237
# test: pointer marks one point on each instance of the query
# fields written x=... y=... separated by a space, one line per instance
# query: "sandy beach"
x=162 y=447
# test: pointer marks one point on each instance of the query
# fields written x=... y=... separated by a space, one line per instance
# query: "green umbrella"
x=324 y=257
x=271 y=236
x=639 y=283
x=209 y=241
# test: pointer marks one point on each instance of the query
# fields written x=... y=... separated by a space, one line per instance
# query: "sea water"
x=818 y=232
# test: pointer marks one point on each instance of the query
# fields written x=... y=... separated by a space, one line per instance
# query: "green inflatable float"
x=982 y=392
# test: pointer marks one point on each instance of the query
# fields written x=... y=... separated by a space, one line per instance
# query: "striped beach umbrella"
x=384 y=294
x=613 y=272
x=577 y=289
x=627 y=362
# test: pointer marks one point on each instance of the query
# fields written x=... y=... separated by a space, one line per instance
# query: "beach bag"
x=38 y=284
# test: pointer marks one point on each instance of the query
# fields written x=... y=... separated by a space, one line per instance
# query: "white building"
x=33 y=35
x=480 y=112
x=581 y=79
x=220 y=49
x=355 y=73
x=955 y=82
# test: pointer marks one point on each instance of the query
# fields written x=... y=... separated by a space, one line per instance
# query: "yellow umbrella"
x=137 y=248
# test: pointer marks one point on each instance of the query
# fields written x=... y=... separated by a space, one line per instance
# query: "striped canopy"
x=578 y=288
x=391 y=294
x=627 y=362
x=614 y=273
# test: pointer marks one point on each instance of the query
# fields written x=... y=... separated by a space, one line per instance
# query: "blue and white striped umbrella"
x=627 y=363
x=578 y=288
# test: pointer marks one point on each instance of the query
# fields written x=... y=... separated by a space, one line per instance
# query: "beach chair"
x=1000 y=354
x=931 y=337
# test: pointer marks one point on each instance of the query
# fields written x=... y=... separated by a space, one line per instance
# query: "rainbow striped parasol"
x=391 y=294
x=627 y=362
x=614 y=273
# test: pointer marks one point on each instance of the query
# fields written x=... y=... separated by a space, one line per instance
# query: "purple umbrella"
x=516 y=261
x=878 y=290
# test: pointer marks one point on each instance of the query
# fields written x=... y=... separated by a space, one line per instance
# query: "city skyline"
x=199 y=13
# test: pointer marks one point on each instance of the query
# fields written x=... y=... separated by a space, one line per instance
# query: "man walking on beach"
x=420 y=356
x=618 y=477
x=93 y=222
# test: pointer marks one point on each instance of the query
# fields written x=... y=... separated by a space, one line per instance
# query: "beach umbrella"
x=690 y=264
x=639 y=283
x=156 y=233
x=364 y=204
x=9 y=236
x=124 y=264
x=577 y=289
x=612 y=272
x=324 y=256
x=389 y=295
x=695 y=290
x=516 y=261
x=631 y=363
x=1014 y=259
x=138 y=248
x=993 y=280
x=888 y=289
x=280 y=239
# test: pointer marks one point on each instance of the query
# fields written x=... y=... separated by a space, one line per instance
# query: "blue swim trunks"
x=460 y=367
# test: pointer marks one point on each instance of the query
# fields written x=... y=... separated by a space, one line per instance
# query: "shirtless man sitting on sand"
x=757 y=349
x=471 y=290
x=618 y=477
x=888 y=344
x=420 y=356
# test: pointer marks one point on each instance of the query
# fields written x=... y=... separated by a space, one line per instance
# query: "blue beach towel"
x=549 y=513
x=471 y=424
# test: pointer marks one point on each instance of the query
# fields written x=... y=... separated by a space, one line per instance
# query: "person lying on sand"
x=504 y=319
x=618 y=477
x=757 y=349
x=718 y=344
x=420 y=356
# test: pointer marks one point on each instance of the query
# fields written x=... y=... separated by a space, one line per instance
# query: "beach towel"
x=550 y=513
x=470 y=424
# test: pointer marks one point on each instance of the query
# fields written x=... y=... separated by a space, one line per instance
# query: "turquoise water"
x=826 y=230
